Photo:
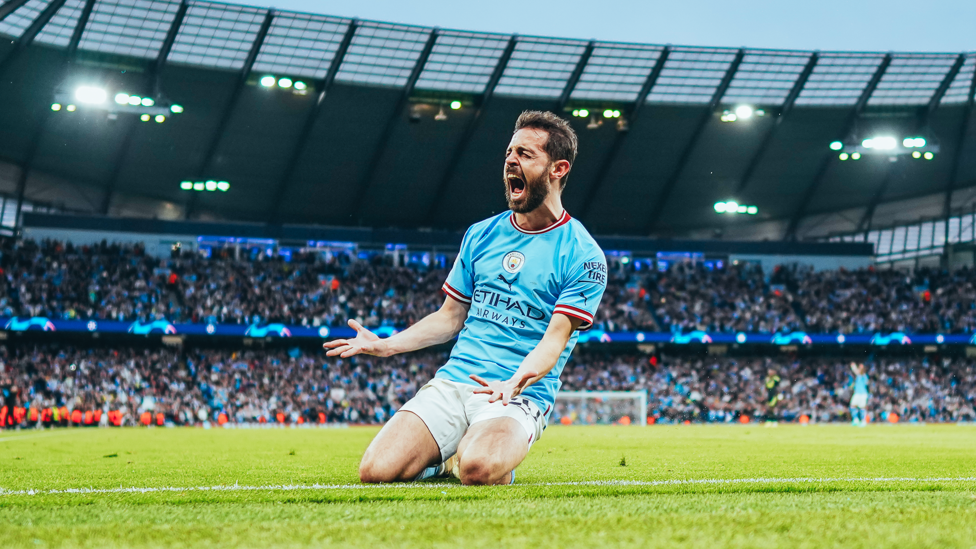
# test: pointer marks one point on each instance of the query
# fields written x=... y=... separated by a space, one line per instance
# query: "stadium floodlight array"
x=286 y=83
x=607 y=113
x=733 y=207
x=740 y=113
x=97 y=98
x=210 y=185
x=887 y=145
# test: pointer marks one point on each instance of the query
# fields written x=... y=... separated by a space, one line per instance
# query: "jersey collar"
x=564 y=219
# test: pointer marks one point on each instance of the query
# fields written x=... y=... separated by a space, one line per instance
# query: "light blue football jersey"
x=861 y=384
x=514 y=281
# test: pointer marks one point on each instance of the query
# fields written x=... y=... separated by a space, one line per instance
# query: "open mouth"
x=516 y=185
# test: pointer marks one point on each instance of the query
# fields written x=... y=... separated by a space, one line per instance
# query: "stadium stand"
x=294 y=388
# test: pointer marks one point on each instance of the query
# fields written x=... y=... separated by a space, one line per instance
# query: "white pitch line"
x=294 y=487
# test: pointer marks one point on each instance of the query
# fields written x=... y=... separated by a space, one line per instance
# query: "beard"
x=536 y=192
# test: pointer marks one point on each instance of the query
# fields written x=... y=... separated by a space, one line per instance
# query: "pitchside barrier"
x=600 y=408
x=276 y=330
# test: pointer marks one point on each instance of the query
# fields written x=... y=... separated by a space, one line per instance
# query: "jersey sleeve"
x=460 y=281
x=584 y=288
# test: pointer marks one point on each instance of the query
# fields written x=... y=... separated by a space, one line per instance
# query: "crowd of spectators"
x=121 y=282
x=193 y=387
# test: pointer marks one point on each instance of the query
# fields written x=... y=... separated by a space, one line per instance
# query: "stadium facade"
x=312 y=119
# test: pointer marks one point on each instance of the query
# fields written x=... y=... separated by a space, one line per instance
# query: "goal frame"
x=639 y=396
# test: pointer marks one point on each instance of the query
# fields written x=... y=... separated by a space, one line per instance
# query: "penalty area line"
x=338 y=487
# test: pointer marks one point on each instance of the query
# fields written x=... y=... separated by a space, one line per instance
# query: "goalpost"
x=600 y=408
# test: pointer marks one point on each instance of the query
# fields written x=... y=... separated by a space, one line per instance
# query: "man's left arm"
x=537 y=364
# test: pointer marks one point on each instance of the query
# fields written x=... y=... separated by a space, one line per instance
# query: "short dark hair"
x=561 y=143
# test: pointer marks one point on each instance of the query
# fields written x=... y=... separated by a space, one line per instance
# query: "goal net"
x=600 y=408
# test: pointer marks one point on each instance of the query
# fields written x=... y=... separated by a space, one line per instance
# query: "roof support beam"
x=618 y=139
x=967 y=118
x=921 y=120
x=849 y=123
x=235 y=95
x=31 y=31
x=152 y=80
x=574 y=78
x=364 y=183
x=658 y=207
x=788 y=104
x=80 y=27
x=10 y=7
x=310 y=118
x=36 y=138
x=469 y=130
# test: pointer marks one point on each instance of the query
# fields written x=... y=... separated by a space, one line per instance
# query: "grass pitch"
x=687 y=486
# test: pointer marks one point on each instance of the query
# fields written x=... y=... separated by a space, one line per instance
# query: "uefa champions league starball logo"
x=513 y=262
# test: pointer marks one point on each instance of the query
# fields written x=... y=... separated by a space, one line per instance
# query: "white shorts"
x=448 y=408
x=859 y=400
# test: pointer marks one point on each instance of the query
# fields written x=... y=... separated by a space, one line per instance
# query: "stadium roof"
x=373 y=140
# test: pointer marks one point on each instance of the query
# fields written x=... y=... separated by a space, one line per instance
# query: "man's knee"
x=373 y=471
x=477 y=469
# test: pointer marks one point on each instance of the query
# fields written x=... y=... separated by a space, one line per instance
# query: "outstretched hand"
x=503 y=390
x=365 y=342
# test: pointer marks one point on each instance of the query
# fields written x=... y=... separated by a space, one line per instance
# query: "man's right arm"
x=435 y=328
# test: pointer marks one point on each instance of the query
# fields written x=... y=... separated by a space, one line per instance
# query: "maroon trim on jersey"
x=454 y=294
x=564 y=219
x=569 y=310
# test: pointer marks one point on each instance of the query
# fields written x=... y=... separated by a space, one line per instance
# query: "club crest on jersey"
x=513 y=261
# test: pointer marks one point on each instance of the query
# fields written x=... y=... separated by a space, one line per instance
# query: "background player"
x=524 y=281
x=859 y=402
x=773 y=396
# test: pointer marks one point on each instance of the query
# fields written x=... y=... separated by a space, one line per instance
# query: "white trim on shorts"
x=449 y=408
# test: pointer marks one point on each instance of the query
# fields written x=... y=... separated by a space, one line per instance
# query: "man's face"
x=526 y=174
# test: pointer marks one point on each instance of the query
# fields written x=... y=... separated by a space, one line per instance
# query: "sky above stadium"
x=859 y=25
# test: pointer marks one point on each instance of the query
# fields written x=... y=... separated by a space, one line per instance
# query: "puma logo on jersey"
x=508 y=282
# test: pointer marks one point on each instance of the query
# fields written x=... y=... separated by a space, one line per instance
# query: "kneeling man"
x=522 y=285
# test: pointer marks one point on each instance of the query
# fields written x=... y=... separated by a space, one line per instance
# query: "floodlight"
x=576 y=113
x=844 y=156
x=223 y=186
x=584 y=113
x=908 y=142
x=71 y=108
x=135 y=100
x=90 y=94
x=753 y=210
x=160 y=118
x=760 y=112
x=56 y=107
x=719 y=207
x=455 y=105
x=916 y=154
x=625 y=260
x=186 y=185
x=731 y=206
x=929 y=156
x=284 y=82
x=198 y=186
x=856 y=156
x=882 y=143
x=300 y=86
x=836 y=146
x=268 y=81
x=743 y=111
x=608 y=113
x=742 y=209
x=122 y=98
x=616 y=113
x=919 y=141
x=176 y=109
x=211 y=185
x=145 y=118
x=731 y=117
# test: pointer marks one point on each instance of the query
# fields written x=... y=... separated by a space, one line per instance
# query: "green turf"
x=828 y=513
